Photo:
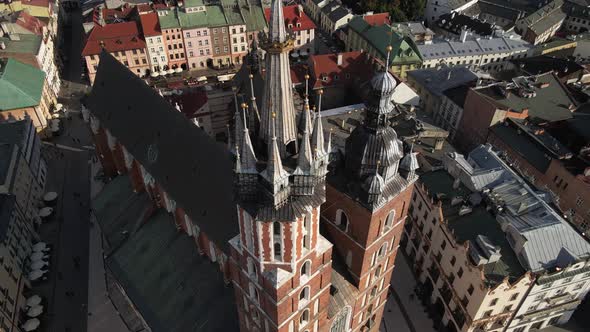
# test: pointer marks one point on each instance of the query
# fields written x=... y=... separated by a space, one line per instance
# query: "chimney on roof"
x=339 y=59
x=299 y=10
x=463 y=36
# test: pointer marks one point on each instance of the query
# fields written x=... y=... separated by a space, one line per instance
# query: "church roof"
x=187 y=160
x=160 y=269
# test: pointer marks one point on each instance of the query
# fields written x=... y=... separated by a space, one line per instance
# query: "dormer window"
x=325 y=78
x=299 y=25
x=290 y=26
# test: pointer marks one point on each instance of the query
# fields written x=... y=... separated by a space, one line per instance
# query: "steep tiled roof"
x=187 y=160
x=30 y=23
x=377 y=19
x=404 y=49
x=354 y=66
x=150 y=25
x=291 y=14
x=21 y=85
x=114 y=37
x=136 y=239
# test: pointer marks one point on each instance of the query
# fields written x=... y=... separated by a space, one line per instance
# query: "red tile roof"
x=144 y=8
x=354 y=65
x=377 y=19
x=116 y=37
x=150 y=25
x=298 y=72
x=292 y=16
x=30 y=23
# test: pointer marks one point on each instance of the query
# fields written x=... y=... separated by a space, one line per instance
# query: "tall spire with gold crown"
x=277 y=95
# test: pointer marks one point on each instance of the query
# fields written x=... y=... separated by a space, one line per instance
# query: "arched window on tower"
x=342 y=220
x=304 y=318
x=373 y=291
x=252 y=268
x=306 y=269
x=390 y=220
x=304 y=296
x=382 y=250
x=276 y=228
x=253 y=292
x=349 y=259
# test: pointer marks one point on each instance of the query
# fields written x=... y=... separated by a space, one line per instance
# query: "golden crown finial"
x=306 y=76
x=251 y=76
x=244 y=105
x=389 y=48
x=307 y=107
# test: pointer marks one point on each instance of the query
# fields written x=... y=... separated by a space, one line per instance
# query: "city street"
x=404 y=311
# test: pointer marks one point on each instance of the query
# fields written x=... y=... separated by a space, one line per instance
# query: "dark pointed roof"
x=196 y=171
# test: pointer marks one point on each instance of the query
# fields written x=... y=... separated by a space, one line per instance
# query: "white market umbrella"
x=35 y=311
x=33 y=300
x=163 y=73
x=155 y=74
x=34 y=275
x=178 y=70
x=294 y=55
x=50 y=196
x=38 y=265
x=45 y=212
x=58 y=107
x=31 y=324
x=170 y=71
x=37 y=256
x=302 y=53
x=39 y=246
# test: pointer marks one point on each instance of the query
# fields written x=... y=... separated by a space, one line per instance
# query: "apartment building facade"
x=496 y=220
x=123 y=41
x=489 y=53
x=15 y=246
x=154 y=40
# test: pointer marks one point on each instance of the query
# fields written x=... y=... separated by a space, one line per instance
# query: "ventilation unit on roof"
x=483 y=251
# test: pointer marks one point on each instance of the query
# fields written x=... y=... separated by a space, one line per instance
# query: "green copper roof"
x=21 y=85
x=28 y=44
x=193 y=3
x=179 y=19
x=215 y=16
x=233 y=12
x=404 y=49
x=253 y=14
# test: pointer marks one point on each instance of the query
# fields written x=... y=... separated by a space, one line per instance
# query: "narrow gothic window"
x=305 y=268
x=304 y=317
x=304 y=295
x=342 y=220
x=276 y=228
x=278 y=252
x=390 y=219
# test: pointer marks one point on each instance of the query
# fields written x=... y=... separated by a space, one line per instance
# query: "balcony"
x=564 y=306
x=558 y=298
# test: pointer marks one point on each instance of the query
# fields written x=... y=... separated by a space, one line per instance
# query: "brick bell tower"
x=367 y=198
x=280 y=264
